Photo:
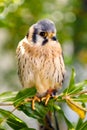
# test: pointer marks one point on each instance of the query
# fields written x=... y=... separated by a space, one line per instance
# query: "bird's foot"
x=50 y=93
x=33 y=100
x=46 y=98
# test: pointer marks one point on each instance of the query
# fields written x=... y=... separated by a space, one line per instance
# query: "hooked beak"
x=52 y=36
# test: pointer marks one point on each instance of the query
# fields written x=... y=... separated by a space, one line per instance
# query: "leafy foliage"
x=12 y=120
x=23 y=94
x=74 y=95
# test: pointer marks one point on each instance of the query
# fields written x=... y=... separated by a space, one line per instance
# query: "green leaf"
x=81 y=98
x=1 y=9
x=23 y=94
x=1 y=119
x=7 y=96
x=12 y=120
x=74 y=88
x=78 y=87
x=40 y=110
x=69 y=124
x=72 y=82
x=79 y=124
x=83 y=126
x=27 y=129
x=2 y=129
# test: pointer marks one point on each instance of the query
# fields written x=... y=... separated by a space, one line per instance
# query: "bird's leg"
x=50 y=93
x=46 y=98
x=33 y=100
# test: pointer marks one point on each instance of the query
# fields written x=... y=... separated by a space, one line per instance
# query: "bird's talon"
x=28 y=100
x=46 y=98
x=43 y=98
x=55 y=97
x=34 y=100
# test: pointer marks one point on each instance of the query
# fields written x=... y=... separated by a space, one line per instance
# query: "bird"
x=40 y=60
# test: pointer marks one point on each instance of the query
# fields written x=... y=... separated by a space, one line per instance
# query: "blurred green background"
x=70 y=18
x=16 y=16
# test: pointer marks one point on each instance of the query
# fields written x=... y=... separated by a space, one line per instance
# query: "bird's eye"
x=43 y=34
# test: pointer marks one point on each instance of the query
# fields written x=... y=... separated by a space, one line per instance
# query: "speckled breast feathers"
x=40 y=66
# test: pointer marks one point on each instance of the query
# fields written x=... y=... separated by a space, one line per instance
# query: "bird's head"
x=42 y=32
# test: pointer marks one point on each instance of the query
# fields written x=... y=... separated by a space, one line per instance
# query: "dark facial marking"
x=54 y=38
x=27 y=34
x=45 y=41
x=34 y=36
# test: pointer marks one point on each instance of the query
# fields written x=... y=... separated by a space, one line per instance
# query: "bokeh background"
x=70 y=18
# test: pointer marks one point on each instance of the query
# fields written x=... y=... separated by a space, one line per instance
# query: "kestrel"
x=40 y=59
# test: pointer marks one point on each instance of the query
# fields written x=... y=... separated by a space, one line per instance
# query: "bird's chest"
x=40 y=67
x=46 y=67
